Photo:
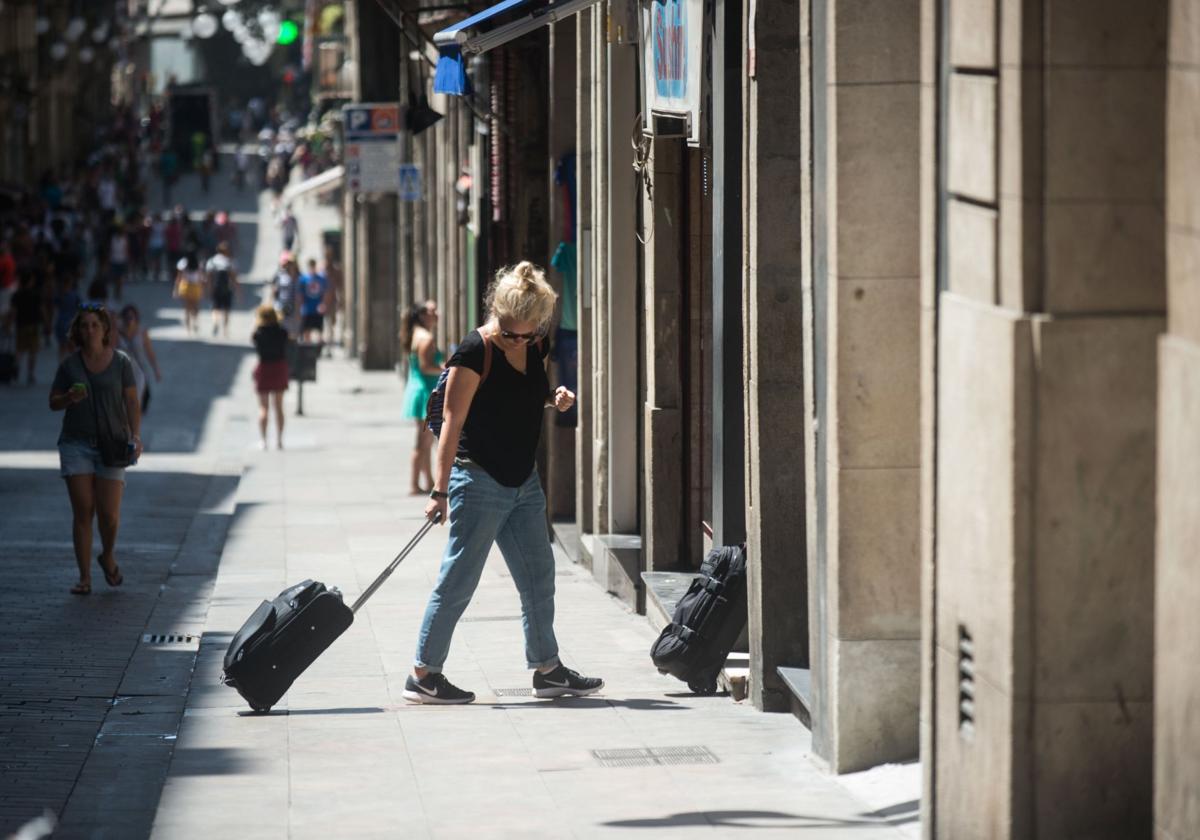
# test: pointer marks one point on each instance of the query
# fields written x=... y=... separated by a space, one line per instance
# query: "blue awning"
x=459 y=33
x=491 y=28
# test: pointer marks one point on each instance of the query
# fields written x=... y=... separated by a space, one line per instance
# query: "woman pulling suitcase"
x=486 y=485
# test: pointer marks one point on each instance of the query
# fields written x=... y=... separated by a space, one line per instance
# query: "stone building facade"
x=917 y=320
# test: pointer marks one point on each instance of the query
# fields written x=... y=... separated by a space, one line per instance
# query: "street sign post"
x=372 y=146
x=409 y=182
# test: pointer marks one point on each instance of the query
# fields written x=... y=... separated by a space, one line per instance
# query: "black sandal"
x=81 y=588
x=113 y=578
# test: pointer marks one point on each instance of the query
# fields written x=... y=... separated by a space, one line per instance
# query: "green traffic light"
x=288 y=32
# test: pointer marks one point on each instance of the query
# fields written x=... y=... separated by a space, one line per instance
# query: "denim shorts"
x=79 y=458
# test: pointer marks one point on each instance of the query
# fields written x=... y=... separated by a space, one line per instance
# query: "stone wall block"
x=1177 y=581
x=877 y=393
x=875 y=41
x=1104 y=258
x=1183 y=147
x=974 y=39
x=1183 y=283
x=877 y=181
x=1093 y=576
x=974 y=772
x=777 y=29
x=1110 y=33
x=984 y=432
x=1021 y=28
x=878 y=564
x=1092 y=769
x=1105 y=134
x=1020 y=258
x=662 y=489
x=1184 y=32
x=972 y=143
x=971 y=246
x=878 y=690
x=1022 y=123
x=780 y=209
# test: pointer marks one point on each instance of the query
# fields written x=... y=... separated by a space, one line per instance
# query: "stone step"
x=799 y=683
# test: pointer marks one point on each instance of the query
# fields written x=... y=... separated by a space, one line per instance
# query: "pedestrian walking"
x=487 y=486
x=66 y=304
x=271 y=374
x=189 y=288
x=424 y=368
x=25 y=317
x=285 y=287
x=118 y=258
x=223 y=285
x=333 y=309
x=289 y=229
x=135 y=342
x=314 y=290
x=100 y=434
x=156 y=244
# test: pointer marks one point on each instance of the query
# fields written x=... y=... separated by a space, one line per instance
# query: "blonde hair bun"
x=521 y=293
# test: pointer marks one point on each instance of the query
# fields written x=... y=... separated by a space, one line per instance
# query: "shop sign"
x=372 y=149
x=673 y=65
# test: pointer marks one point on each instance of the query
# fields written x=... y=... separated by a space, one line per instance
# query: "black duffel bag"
x=707 y=623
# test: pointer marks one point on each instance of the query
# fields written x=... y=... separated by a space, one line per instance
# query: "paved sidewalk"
x=112 y=716
x=344 y=756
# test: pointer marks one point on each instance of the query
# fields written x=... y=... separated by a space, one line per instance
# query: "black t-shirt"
x=271 y=343
x=504 y=421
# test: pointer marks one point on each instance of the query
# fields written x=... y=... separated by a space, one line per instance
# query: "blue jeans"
x=482 y=512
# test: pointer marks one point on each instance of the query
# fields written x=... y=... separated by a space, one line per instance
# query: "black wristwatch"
x=438 y=494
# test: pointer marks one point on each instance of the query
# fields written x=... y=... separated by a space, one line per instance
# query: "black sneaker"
x=562 y=681
x=436 y=689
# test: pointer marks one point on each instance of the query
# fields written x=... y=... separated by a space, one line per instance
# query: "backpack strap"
x=487 y=357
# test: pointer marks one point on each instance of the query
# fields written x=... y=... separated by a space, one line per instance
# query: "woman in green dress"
x=424 y=367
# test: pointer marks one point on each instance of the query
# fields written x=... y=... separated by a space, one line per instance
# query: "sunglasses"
x=91 y=307
x=515 y=336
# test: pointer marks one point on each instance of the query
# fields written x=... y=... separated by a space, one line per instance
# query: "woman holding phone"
x=96 y=389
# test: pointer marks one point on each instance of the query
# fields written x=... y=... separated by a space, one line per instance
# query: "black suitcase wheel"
x=705 y=688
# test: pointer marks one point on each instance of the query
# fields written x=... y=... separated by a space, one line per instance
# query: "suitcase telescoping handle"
x=386 y=573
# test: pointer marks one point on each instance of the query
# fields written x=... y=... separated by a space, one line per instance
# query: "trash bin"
x=302 y=366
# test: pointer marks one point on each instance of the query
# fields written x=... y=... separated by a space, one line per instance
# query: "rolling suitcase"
x=707 y=622
x=287 y=634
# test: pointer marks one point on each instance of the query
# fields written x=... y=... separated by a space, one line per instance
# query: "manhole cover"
x=513 y=692
x=170 y=639
x=636 y=757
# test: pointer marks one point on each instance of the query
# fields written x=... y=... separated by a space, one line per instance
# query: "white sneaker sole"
x=555 y=691
x=428 y=700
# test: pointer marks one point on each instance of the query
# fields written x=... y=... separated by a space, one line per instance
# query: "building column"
x=600 y=275
x=1051 y=299
x=777 y=246
x=560 y=481
x=1176 y=643
x=662 y=431
x=621 y=293
x=864 y=575
x=584 y=434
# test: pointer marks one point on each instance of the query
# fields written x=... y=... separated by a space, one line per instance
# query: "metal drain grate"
x=513 y=692
x=490 y=618
x=654 y=755
x=170 y=639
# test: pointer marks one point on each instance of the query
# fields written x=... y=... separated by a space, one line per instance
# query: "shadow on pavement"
x=743 y=819
x=641 y=705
